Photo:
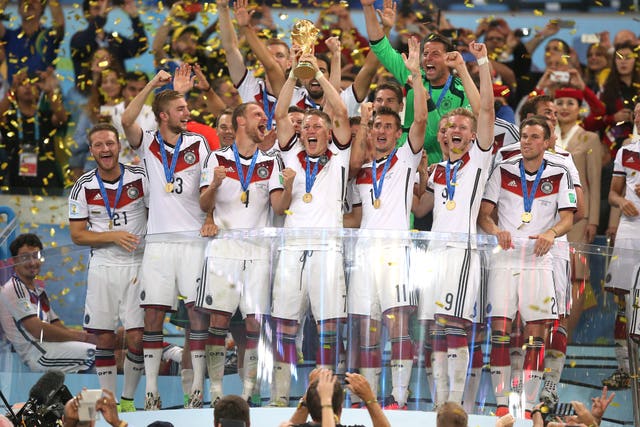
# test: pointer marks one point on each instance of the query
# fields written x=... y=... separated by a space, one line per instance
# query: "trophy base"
x=304 y=71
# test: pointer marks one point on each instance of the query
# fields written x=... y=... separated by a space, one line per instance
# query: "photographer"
x=321 y=381
x=106 y=405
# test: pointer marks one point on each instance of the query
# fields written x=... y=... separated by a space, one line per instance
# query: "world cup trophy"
x=304 y=35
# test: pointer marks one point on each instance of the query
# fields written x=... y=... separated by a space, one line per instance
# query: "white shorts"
x=380 y=280
x=113 y=295
x=231 y=283
x=458 y=283
x=633 y=305
x=423 y=274
x=309 y=277
x=69 y=356
x=622 y=264
x=529 y=291
x=562 y=280
x=170 y=269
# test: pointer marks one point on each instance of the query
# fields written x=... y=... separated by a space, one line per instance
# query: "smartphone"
x=590 y=38
x=87 y=407
x=565 y=23
x=560 y=76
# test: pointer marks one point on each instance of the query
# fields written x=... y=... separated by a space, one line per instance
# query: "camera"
x=87 y=407
x=560 y=76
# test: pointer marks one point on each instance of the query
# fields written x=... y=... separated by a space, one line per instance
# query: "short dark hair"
x=226 y=111
x=324 y=116
x=537 y=121
x=326 y=59
x=531 y=105
x=26 y=239
x=315 y=406
x=451 y=414
x=392 y=86
x=100 y=127
x=295 y=109
x=439 y=38
x=240 y=110
x=386 y=111
x=231 y=407
x=162 y=99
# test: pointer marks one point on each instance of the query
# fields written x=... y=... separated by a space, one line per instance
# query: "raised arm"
x=339 y=114
x=486 y=114
x=229 y=41
x=374 y=29
x=333 y=43
x=360 y=150
x=132 y=130
x=454 y=60
x=274 y=72
x=284 y=127
x=160 y=39
x=57 y=16
x=420 y=96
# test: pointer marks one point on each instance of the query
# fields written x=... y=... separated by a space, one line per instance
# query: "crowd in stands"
x=313 y=129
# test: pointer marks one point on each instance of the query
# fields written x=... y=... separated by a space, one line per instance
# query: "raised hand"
x=387 y=14
x=200 y=81
x=242 y=12
x=333 y=44
x=412 y=62
x=288 y=176
x=479 y=50
x=161 y=79
x=183 y=80
x=454 y=60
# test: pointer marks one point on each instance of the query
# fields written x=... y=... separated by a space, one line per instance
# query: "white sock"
x=471 y=390
x=199 y=365
x=249 y=372
x=152 y=359
x=440 y=376
x=133 y=370
x=400 y=378
x=457 y=364
x=372 y=376
x=281 y=383
x=186 y=378
x=215 y=366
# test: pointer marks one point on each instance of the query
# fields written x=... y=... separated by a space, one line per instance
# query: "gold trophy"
x=304 y=34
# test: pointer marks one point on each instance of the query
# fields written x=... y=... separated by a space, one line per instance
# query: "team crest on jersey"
x=446 y=104
x=133 y=193
x=546 y=187
x=323 y=159
x=262 y=172
x=189 y=157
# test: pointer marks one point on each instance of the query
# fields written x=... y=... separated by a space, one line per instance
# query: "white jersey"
x=627 y=165
x=230 y=212
x=253 y=89
x=86 y=202
x=555 y=193
x=19 y=303
x=301 y=99
x=504 y=134
x=328 y=191
x=470 y=181
x=146 y=119
x=396 y=196
x=178 y=210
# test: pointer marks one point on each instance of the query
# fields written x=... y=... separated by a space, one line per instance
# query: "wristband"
x=483 y=60
x=536 y=411
x=553 y=229
x=302 y=403
x=291 y=75
x=329 y=405
x=319 y=74
x=368 y=402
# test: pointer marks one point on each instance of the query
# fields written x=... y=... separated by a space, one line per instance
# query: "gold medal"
x=527 y=217
x=168 y=187
x=243 y=197
x=110 y=224
x=376 y=204
x=307 y=198
x=450 y=205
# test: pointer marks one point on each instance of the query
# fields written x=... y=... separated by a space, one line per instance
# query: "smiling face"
x=386 y=133
x=433 y=62
x=597 y=58
x=625 y=60
x=459 y=135
x=568 y=110
x=224 y=128
x=387 y=98
x=533 y=142
x=253 y=123
x=105 y=148
x=27 y=263
x=176 y=115
x=315 y=135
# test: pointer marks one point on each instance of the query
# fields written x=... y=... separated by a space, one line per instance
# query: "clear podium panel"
x=425 y=317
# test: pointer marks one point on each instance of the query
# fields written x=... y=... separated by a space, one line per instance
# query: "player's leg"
x=397 y=321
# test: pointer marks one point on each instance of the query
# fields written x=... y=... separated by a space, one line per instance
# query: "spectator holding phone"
x=105 y=405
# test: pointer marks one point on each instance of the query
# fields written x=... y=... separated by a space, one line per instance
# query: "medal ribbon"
x=528 y=197
x=270 y=112
x=377 y=184
x=169 y=170
x=244 y=183
x=451 y=183
x=310 y=176
x=105 y=197
x=445 y=89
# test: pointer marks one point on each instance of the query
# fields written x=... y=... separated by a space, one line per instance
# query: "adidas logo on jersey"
x=512 y=183
x=98 y=196
x=230 y=169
